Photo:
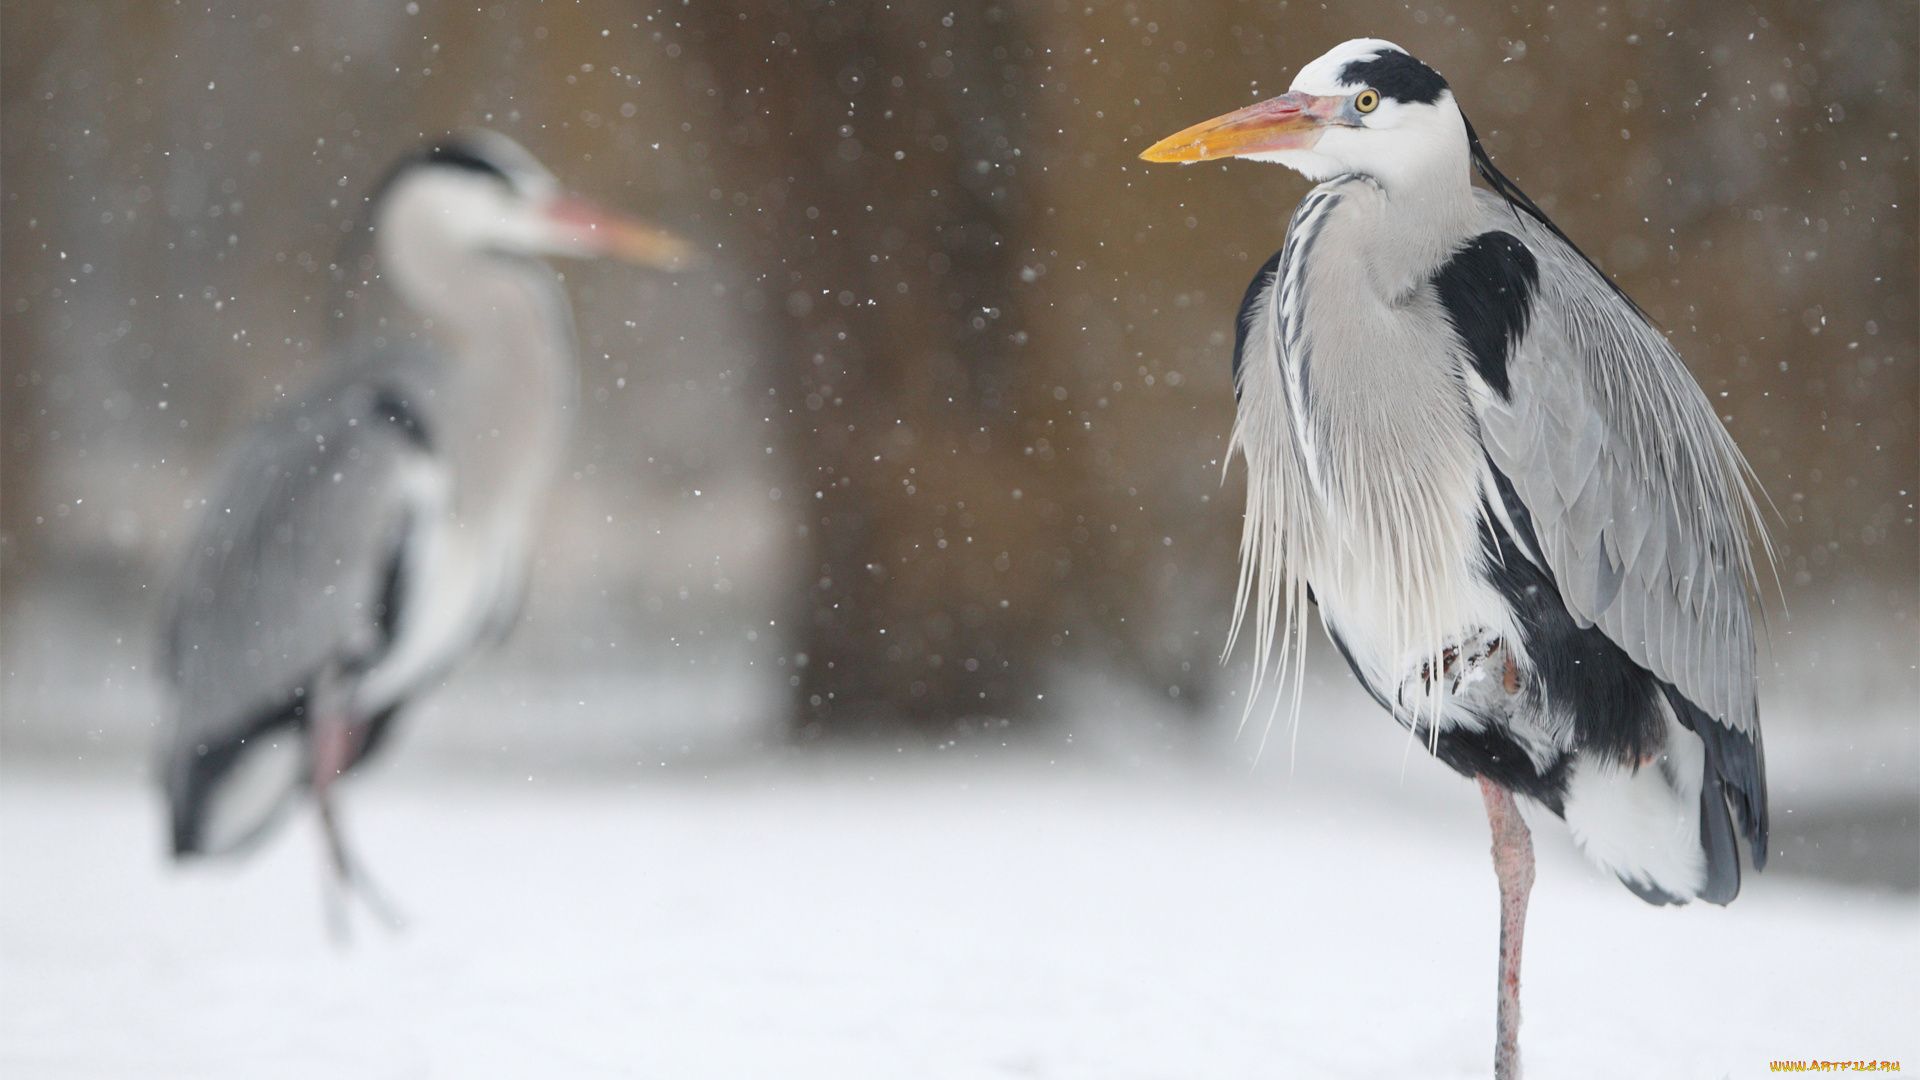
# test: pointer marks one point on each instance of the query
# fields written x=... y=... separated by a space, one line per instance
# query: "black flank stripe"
x=190 y=792
x=1491 y=751
x=1614 y=701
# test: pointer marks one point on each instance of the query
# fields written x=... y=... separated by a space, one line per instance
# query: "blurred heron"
x=375 y=530
x=1523 y=525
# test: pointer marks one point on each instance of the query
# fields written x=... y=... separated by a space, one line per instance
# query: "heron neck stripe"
x=1290 y=304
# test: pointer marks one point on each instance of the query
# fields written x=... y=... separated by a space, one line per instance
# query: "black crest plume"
x=1519 y=200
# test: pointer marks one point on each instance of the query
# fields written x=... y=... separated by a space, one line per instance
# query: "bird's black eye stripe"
x=1398 y=76
x=451 y=154
x=459 y=157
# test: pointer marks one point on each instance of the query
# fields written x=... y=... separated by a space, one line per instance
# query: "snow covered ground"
x=628 y=873
x=1034 y=911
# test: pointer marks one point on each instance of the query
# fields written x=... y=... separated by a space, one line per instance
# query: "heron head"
x=482 y=193
x=1366 y=107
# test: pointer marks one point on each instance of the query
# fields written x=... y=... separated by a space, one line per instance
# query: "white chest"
x=458 y=570
x=1385 y=449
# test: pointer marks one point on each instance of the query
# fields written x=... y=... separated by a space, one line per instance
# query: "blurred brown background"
x=945 y=414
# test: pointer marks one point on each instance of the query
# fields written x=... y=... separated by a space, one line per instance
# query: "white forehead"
x=1321 y=78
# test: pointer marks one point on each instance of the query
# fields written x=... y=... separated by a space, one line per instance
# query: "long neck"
x=1387 y=440
x=1424 y=212
x=504 y=387
x=1418 y=232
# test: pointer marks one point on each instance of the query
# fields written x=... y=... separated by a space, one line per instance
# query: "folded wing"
x=1638 y=497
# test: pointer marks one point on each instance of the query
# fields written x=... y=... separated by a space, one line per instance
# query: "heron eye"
x=1368 y=101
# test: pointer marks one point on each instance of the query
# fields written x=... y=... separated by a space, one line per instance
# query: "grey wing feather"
x=288 y=570
x=1638 y=495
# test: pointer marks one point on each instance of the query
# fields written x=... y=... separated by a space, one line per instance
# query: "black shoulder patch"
x=1398 y=76
x=1487 y=289
x=1260 y=282
x=389 y=405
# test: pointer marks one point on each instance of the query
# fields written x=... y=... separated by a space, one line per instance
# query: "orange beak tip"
x=1290 y=121
x=650 y=247
x=1166 y=151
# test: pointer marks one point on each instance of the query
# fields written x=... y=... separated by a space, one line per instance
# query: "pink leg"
x=1513 y=864
x=336 y=740
x=334 y=743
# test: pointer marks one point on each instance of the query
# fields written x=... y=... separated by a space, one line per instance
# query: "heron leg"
x=349 y=878
x=335 y=740
x=333 y=883
x=1513 y=864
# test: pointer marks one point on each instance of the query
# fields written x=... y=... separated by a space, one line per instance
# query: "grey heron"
x=1523 y=525
x=375 y=529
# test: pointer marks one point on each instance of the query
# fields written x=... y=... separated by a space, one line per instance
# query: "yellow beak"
x=1288 y=122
